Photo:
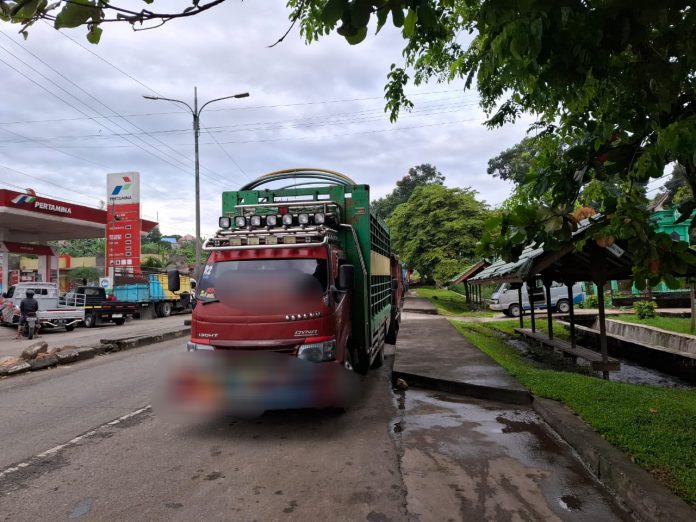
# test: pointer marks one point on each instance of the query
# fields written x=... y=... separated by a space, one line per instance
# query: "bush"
x=590 y=301
x=645 y=309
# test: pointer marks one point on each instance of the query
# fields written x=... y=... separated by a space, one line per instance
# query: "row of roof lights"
x=272 y=220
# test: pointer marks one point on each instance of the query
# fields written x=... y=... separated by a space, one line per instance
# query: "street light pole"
x=196 y=113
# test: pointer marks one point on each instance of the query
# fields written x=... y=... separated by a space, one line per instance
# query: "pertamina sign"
x=123 y=223
x=30 y=201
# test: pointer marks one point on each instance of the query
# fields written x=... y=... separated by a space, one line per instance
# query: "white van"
x=506 y=299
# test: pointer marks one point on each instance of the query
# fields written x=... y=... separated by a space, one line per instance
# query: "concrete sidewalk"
x=430 y=353
x=81 y=336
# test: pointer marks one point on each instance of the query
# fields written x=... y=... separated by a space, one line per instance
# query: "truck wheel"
x=562 y=306
x=120 y=320
x=89 y=320
x=379 y=359
x=392 y=333
x=69 y=327
x=165 y=309
x=514 y=310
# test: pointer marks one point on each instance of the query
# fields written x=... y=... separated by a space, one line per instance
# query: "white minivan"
x=506 y=299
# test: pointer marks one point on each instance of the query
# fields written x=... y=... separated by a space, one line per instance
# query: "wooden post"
x=602 y=327
x=530 y=296
x=549 y=316
x=519 y=299
x=572 y=313
x=693 y=308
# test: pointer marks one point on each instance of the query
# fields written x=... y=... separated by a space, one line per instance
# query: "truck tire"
x=69 y=327
x=356 y=360
x=120 y=320
x=392 y=333
x=89 y=320
x=164 y=309
x=379 y=359
x=514 y=310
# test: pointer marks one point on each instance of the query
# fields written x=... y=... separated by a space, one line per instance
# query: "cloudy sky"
x=70 y=112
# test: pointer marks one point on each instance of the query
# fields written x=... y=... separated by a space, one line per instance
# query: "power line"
x=262 y=127
x=253 y=107
x=167 y=159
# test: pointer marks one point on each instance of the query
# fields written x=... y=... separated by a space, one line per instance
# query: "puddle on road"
x=570 y=503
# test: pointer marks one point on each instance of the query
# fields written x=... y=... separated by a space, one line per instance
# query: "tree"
x=154 y=235
x=424 y=174
x=436 y=231
x=513 y=164
x=80 y=247
x=611 y=85
x=84 y=273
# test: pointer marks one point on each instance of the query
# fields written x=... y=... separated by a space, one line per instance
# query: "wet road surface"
x=477 y=460
x=81 y=443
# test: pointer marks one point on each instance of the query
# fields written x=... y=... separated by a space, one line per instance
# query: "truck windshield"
x=232 y=280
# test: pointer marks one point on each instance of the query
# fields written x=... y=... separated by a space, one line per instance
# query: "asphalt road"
x=80 y=443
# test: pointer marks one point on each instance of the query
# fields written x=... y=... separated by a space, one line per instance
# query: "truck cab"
x=302 y=271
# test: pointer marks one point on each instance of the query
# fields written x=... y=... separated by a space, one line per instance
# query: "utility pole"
x=196 y=113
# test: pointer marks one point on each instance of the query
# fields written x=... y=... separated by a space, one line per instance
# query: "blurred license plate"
x=116 y=316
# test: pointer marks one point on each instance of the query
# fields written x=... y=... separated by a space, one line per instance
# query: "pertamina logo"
x=30 y=197
x=119 y=188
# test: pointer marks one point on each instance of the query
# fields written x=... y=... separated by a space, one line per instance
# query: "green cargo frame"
x=359 y=225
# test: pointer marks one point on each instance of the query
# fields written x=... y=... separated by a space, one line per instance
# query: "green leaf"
x=94 y=34
x=74 y=14
x=397 y=16
x=410 y=23
x=358 y=37
x=332 y=12
x=427 y=15
x=382 y=15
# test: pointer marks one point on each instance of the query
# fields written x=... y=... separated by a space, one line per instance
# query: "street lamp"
x=196 y=113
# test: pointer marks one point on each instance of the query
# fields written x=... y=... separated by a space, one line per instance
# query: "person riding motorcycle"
x=28 y=306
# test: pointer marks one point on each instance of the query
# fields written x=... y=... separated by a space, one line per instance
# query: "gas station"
x=29 y=221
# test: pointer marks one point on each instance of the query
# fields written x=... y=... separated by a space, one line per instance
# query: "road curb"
x=88 y=352
x=478 y=391
x=637 y=491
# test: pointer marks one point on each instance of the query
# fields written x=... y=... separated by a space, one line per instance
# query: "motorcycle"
x=31 y=326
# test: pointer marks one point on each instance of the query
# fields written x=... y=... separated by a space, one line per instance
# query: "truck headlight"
x=318 y=349
x=255 y=221
x=287 y=219
x=225 y=222
x=319 y=218
x=303 y=219
x=271 y=221
x=240 y=222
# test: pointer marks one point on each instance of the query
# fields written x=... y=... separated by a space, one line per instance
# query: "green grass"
x=654 y=426
x=673 y=324
x=450 y=303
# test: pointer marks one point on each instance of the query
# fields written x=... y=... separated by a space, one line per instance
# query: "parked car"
x=506 y=299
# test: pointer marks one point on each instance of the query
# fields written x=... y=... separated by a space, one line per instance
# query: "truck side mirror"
x=173 y=280
x=395 y=284
x=193 y=284
x=346 y=276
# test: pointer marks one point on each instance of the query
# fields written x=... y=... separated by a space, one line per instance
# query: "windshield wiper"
x=210 y=301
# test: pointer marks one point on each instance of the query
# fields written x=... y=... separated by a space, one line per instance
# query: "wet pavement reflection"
x=488 y=461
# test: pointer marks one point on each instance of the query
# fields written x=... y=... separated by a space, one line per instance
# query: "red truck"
x=305 y=272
